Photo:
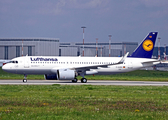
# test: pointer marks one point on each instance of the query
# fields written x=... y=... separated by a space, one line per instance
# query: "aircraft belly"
x=33 y=71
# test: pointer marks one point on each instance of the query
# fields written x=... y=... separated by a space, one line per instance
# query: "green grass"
x=86 y=101
x=139 y=75
x=83 y=102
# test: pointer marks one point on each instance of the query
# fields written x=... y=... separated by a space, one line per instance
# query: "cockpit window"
x=14 y=62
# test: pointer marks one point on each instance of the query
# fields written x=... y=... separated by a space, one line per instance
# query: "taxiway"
x=90 y=82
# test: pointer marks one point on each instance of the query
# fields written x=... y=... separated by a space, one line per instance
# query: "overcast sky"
x=125 y=20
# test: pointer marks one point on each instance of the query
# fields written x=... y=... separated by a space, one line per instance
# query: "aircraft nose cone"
x=9 y=68
x=5 y=67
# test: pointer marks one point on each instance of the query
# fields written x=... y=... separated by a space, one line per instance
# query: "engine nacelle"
x=66 y=74
x=62 y=74
x=51 y=77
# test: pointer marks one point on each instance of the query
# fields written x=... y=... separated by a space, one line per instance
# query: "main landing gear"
x=75 y=80
x=83 y=80
x=25 y=79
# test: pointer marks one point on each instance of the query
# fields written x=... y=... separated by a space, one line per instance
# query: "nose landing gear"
x=25 y=79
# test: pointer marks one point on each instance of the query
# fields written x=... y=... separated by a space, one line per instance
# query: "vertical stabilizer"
x=145 y=49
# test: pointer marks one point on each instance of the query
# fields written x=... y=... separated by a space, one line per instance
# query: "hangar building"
x=117 y=49
x=12 y=47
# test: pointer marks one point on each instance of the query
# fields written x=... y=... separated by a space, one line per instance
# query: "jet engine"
x=62 y=74
x=51 y=77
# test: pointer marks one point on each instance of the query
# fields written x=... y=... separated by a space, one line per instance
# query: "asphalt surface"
x=90 y=82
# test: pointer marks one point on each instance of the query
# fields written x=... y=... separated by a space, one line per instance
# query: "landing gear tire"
x=83 y=80
x=24 y=80
x=75 y=80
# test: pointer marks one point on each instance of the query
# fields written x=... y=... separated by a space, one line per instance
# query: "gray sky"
x=125 y=20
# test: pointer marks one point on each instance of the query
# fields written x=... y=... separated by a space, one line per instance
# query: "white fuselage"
x=48 y=64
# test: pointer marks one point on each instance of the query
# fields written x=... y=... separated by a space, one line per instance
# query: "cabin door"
x=26 y=62
x=130 y=66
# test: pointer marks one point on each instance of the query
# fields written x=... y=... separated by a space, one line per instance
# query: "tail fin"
x=145 y=49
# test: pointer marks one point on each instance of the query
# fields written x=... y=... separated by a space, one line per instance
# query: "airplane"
x=68 y=68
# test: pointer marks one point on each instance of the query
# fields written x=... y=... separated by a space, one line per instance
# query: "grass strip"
x=83 y=102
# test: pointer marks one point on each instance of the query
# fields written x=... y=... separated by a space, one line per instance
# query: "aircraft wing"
x=102 y=66
x=84 y=68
